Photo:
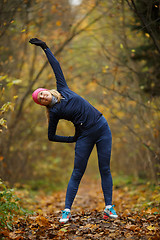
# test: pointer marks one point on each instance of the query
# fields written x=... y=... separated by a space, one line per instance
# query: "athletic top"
x=72 y=107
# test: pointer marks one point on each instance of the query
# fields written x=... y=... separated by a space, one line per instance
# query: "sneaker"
x=65 y=217
x=109 y=212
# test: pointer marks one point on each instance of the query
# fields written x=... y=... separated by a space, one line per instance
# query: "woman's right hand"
x=38 y=42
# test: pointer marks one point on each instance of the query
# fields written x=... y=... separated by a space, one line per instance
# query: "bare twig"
x=85 y=16
x=154 y=154
x=127 y=96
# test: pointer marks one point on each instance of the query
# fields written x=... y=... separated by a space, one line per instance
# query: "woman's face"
x=44 y=98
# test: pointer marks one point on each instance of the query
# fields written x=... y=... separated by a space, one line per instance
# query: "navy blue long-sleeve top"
x=72 y=107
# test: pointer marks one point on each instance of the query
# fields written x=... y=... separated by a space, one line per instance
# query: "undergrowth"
x=10 y=207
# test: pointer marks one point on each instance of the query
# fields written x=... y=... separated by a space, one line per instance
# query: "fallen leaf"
x=42 y=221
x=5 y=233
x=131 y=227
x=151 y=228
x=63 y=230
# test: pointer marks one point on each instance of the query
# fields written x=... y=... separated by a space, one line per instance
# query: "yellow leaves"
x=152 y=85
x=13 y=82
x=121 y=46
x=5 y=107
x=137 y=126
x=87 y=220
x=104 y=69
x=120 y=114
x=121 y=18
x=58 y=23
x=3 y=123
x=63 y=230
x=53 y=9
x=3 y=77
x=147 y=35
x=151 y=228
x=15 y=97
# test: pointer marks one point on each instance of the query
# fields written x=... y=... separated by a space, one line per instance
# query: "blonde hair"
x=56 y=94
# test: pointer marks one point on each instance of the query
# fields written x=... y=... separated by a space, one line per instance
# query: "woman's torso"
x=76 y=109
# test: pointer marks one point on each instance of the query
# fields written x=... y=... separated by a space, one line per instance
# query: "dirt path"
x=87 y=216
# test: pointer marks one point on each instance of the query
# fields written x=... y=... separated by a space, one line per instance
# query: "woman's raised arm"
x=60 y=80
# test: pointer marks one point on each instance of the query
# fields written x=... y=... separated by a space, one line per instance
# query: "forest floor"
x=136 y=205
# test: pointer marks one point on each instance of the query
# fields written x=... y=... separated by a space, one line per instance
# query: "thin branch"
x=86 y=15
x=13 y=13
x=148 y=28
x=130 y=5
x=135 y=134
x=117 y=62
x=127 y=96
x=148 y=24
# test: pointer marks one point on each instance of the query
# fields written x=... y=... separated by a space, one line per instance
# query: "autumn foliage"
x=137 y=209
x=109 y=53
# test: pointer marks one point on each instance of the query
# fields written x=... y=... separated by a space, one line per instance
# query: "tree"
x=147 y=20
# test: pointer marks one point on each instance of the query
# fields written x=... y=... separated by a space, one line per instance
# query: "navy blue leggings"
x=100 y=135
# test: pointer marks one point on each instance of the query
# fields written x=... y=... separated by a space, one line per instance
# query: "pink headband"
x=35 y=94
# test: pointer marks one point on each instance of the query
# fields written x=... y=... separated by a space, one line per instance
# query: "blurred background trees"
x=109 y=52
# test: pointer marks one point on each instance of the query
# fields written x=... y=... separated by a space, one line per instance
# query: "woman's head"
x=44 y=96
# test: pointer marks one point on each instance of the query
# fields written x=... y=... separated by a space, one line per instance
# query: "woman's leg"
x=104 y=144
x=83 y=150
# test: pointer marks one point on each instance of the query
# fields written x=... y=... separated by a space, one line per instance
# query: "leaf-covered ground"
x=137 y=207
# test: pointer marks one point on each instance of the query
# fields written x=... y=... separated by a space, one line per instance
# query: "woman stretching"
x=90 y=128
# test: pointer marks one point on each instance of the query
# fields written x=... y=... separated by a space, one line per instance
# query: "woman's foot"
x=65 y=217
x=109 y=212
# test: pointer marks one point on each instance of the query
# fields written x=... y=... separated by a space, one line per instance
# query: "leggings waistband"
x=101 y=121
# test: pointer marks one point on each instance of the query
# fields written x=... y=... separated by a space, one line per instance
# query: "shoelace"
x=65 y=214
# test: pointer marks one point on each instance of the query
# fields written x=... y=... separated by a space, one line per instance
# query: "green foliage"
x=6 y=84
x=123 y=180
x=9 y=206
x=3 y=123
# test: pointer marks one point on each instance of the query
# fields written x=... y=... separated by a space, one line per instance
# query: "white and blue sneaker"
x=109 y=212
x=66 y=216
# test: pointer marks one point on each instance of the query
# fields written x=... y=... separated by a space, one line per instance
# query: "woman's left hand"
x=38 y=42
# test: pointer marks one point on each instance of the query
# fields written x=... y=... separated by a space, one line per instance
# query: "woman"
x=90 y=128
